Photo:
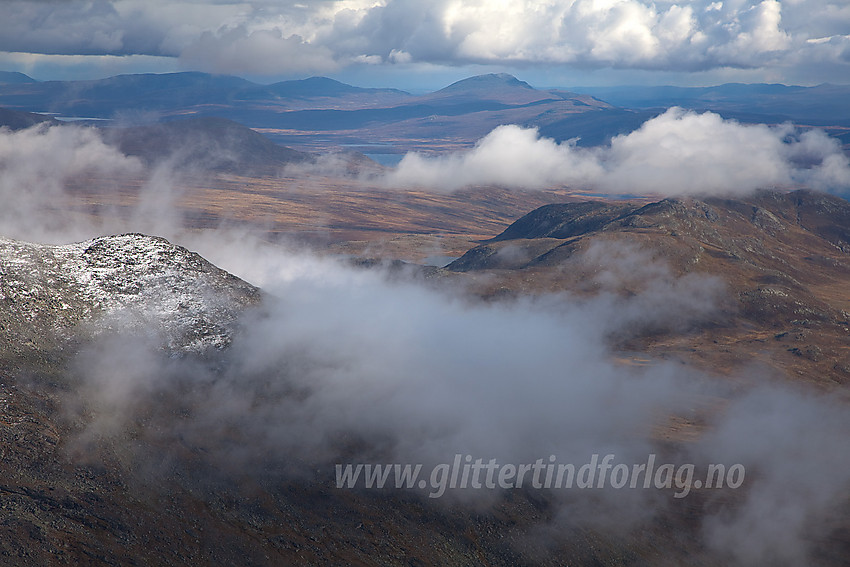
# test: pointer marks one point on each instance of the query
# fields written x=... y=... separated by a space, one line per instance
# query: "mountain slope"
x=48 y=294
x=175 y=94
x=324 y=113
x=16 y=120
x=322 y=87
x=132 y=94
x=206 y=143
x=503 y=88
x=155 y=488
x=769 y=216
x=14 y=78
x=825 y=104
x=784 y=258
x=496 y=87
x=77 y=489
x=486 y=83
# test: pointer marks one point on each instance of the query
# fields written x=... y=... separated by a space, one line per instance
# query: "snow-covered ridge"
x=131 y=281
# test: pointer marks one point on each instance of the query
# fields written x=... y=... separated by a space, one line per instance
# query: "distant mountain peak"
x=318 y=80
x=206 y=142
x=14 y=78
x=489 y=81
x=321 y=87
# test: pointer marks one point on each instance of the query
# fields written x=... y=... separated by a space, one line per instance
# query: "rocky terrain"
x=51 y=293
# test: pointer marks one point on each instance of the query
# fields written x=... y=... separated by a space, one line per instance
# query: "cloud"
x=684 y=152
x=794 y=446
x=66 y=182
x=43 y=157
x=676 y=153
x=261 y=52
x=623 y=34
x=510 y=155
x=35 y=166
x=350 y=362
x=341 y=358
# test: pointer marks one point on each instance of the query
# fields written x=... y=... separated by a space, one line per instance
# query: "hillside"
x=16 y=120
x=319 y=114
x=784 y=257
x=824 y=104
x=175 y=94
x=125 y=368
x=205 y=144
x=114 y=351
x=11 y=78
x=323 y=87
x=51 y=294
x=82 y=322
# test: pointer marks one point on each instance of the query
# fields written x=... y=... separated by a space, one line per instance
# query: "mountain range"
x=824 y=104
x=320 y=114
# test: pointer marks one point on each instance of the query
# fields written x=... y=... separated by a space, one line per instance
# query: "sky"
x=421 y=45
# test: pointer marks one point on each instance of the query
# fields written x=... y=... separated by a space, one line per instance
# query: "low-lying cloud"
x=41 y=159
x=348 y=364
x=36 y=166
x=61 y=182
x=676 y=153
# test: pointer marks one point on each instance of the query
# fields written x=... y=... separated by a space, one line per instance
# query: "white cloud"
x=676 y=153
x=400 y=56
x=35 y=165
x=45 y=156
x=755 y=33
x=509 y=155
x=41 y=165
x=684 y=152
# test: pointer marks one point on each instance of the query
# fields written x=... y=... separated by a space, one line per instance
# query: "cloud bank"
x=676 y=153
x=350 y=364
x=35 y=166
x=270 y=38
x=41 y=167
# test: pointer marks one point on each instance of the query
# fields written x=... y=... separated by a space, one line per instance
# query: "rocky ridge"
x=784 y=258
x=50 y=294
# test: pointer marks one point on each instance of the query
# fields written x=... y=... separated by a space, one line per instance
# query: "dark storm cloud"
x=274 y=37
x=76 y=28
